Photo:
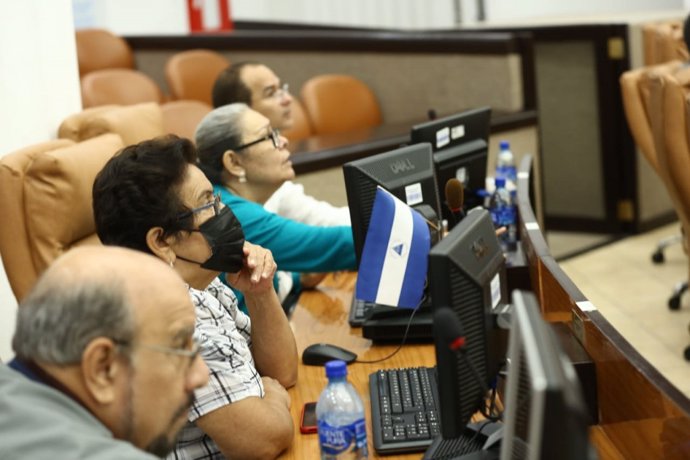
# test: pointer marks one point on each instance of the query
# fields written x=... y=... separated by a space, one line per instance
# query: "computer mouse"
x=319 y=354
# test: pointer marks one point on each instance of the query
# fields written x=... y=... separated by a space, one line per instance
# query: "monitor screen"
x=460 y=145
x=407 y=173
x=467 y=276
x=545 y=415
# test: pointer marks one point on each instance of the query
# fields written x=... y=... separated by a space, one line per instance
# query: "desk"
x=321 y=316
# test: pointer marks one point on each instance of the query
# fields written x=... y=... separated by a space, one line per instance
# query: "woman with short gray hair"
x=247 y=161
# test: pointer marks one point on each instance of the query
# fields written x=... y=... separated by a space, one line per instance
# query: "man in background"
x=105 y=364
x=260 y=88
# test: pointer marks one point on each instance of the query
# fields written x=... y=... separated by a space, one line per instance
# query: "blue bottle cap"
x=504 y=145
x=500 y=182
x=336 y=369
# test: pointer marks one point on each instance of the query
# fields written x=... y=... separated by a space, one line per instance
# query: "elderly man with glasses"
x=106 y=364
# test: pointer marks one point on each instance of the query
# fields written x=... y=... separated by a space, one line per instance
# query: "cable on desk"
x=402 y=342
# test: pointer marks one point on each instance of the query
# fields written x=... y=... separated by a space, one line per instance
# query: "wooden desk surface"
x=321 y=316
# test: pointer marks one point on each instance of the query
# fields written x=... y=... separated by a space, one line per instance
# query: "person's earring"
x=242 y=178
x=172 y=265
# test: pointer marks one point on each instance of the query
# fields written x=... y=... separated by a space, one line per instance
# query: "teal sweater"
x=296 y=247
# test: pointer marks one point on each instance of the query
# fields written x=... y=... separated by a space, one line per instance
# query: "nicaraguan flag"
x=393 y=266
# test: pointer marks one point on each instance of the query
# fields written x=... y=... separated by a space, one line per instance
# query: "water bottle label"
x=335 y=440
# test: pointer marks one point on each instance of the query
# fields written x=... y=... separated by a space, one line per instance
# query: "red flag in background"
x=209 y=15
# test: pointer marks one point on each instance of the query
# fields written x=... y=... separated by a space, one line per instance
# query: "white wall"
x=38 y=89
x=169 y=17
x=510 y=10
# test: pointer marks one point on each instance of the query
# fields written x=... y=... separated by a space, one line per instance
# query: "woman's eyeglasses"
x=215 y=204
x=274 y=136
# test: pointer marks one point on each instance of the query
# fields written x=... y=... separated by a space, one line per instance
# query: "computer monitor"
x=467 y=277
x=460 y=145
x=545 y=415
x=407 y=173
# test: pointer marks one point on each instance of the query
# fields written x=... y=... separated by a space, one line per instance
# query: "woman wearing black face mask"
x=152 y=197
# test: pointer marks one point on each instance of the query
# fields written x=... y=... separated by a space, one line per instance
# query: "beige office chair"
x=191 y=74
x=99 y=49
x=636 y=100
x=672 y=93
x=339 y=103
x=45 y=192
x=133 y=123
x=182 y=117
x=118 y=86
x=663 y=42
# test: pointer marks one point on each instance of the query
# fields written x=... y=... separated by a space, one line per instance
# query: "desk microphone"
x=455 y=199
x=448 y=329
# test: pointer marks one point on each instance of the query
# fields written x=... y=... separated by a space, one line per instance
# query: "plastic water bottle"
x=505 y=165
x=503 y=214
x=340 y=417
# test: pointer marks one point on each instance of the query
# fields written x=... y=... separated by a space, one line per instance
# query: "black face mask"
x=224 y=235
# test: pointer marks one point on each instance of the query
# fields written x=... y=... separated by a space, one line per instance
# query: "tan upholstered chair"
x=663 y=42
x=339 y=103
x=135 y=123
x=118 y=86
x=191 y=74
x=301 y=126
x=637 y=102
x=99 y=49
x=672 y=92
x=45 y=192
x=182 y=117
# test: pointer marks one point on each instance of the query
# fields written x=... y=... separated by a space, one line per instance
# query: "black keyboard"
x=404 y=409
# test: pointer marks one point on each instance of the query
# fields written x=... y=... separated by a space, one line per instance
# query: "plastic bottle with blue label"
x=505 y=165
x=340 y=417
x=503 y=214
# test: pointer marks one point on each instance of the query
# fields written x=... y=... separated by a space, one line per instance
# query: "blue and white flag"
x=393 y=266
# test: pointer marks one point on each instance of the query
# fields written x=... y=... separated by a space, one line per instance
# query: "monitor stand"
x=472 y=445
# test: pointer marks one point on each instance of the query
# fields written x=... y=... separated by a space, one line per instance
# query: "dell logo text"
x=401 y=166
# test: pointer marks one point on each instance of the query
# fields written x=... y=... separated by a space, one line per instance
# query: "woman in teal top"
x=247 y=161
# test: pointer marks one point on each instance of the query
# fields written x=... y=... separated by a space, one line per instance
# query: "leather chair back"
x=635 y=88
x=339 y=103
x=133 y=123
x=191 y=74
x=182 y=117
x=673 y=95
x=118 y=86
x=45 y=191
x=99 y=49
x=663 y=42
x=301 y=125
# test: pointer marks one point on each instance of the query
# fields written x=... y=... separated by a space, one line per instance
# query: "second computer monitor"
x=460 y=145
x=467 y=276
x=407 y=173
x=545 y=415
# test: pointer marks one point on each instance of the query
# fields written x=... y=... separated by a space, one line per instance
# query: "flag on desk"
x=393 y=266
